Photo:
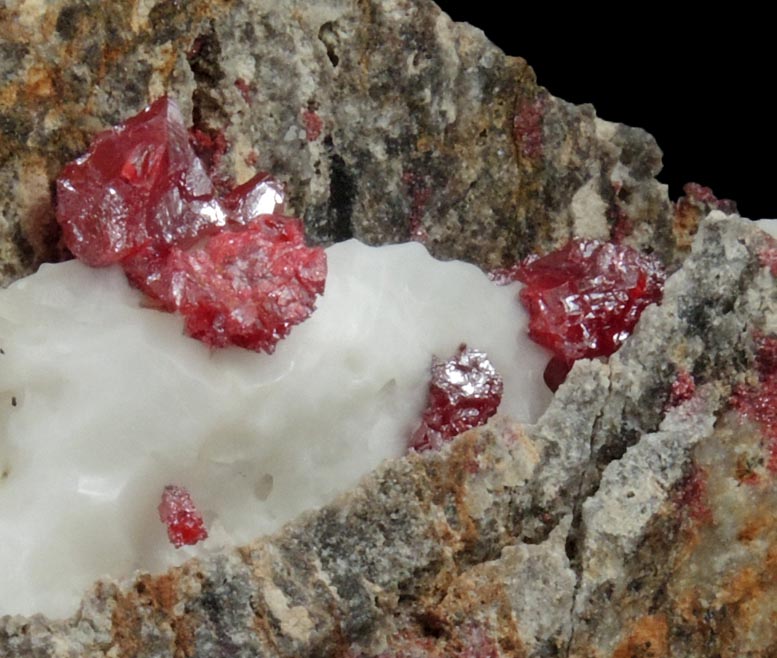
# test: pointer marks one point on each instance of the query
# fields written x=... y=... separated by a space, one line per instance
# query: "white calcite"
x=104 y=402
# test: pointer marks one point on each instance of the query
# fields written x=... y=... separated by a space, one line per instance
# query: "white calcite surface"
x=104 y=402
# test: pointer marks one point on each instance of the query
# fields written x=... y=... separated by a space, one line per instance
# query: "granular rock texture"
x=387 y=121
x=636 y=518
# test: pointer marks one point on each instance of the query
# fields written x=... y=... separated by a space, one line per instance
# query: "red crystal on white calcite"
x=464 y=392
x=185 y=525
x=234 y=266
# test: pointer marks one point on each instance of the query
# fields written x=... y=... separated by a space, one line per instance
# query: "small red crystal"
x=585 y=299
x=705 y=196
x=238 y=271
x=464 y=392
x=185 y=526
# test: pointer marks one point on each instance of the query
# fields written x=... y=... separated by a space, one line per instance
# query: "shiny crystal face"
x=585 y=299
x=234 y=267
x=464 y=392
x=248 y=288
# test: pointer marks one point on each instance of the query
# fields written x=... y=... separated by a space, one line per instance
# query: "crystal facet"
x=464 y=392
x=248 y=288
x=261 y=195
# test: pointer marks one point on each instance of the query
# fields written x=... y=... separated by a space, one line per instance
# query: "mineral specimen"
x=239 y=272
x=185 y=526
x=464 y=392
x=568 y=540
x=585 y=299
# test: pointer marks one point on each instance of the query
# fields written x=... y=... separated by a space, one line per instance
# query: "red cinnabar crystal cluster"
x=177 y=511
x=585 y=299
x=234 y=266
x=464 y=392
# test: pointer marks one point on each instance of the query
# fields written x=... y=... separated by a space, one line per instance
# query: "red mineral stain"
x=313 y=125
x=758 y=402
x=527 y=128
x=622 y=226
x=691 y=495
x=478 y=643
x=245 y=90
x=419 y=190
x=767 y=256
x=464 y=392
x=209 y=145
x=185 y=526
x=252 y=159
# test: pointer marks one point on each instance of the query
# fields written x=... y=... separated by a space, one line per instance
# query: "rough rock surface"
x=386 y=119
x=630 y=521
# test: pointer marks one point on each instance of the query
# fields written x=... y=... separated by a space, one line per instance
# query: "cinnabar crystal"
x=185 y=526
x=464 y=392
x=234 y=266
x=140 y=183
x=248 y=288
x=585 y=299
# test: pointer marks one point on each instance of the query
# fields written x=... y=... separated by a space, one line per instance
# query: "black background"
x=701 y=83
